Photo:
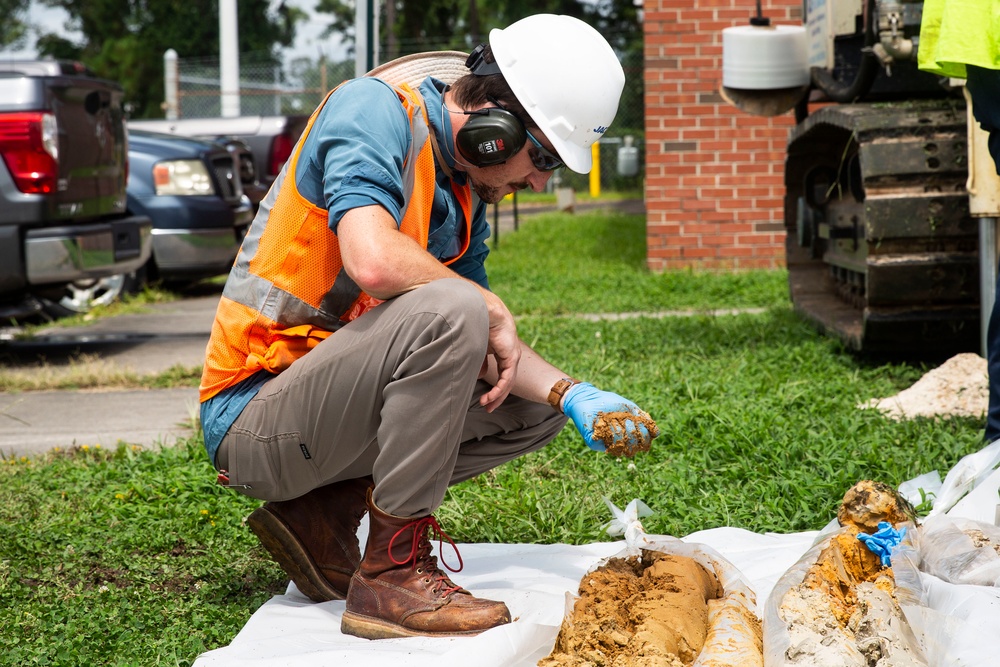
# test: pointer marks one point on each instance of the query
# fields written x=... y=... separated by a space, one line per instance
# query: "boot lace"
x=420 y=552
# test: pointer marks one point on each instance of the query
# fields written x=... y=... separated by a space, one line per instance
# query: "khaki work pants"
x=394 y=394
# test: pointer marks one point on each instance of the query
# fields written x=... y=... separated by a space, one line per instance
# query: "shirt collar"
x=432 y=90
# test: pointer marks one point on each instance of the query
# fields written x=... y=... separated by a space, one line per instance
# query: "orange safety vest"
x=287 y=291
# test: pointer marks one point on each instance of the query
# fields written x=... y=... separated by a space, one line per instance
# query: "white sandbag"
x=955 y=624
x=733 y=632
x=802 y=629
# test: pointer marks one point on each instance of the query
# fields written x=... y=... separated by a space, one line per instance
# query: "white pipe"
x=170 y=81
x=229 y=59
x=987 y=275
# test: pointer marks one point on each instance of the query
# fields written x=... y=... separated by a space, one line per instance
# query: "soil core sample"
x=638 y=612
x=867 y=503
x=844 y=613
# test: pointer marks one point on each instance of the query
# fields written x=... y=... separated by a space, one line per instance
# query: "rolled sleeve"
x=354 y=155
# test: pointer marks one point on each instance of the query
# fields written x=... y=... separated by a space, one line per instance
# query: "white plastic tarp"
x=534 y=581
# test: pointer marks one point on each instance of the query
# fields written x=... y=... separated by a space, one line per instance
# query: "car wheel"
x=82 y=296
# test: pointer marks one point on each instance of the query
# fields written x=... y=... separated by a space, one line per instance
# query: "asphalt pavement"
x=166 y=335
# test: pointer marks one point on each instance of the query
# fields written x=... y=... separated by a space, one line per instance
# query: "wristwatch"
x=558 y=390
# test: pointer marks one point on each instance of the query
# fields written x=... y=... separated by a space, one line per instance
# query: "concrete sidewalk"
x=167 y=335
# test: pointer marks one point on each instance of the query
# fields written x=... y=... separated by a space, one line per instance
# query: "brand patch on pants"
x=305 y=451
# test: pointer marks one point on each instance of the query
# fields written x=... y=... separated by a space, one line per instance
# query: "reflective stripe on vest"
x=288 y=291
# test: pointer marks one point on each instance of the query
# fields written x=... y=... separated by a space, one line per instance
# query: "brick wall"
x=714 y=175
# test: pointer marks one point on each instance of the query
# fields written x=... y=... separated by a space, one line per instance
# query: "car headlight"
x=182 y=177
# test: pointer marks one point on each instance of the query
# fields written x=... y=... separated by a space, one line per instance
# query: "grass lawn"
x=134 y=556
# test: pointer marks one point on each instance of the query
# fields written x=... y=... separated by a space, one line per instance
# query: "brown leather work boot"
x=314 y=537
x=399 y=591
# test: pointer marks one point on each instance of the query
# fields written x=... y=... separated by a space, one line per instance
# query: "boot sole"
x=368 y=627
x=285 y=548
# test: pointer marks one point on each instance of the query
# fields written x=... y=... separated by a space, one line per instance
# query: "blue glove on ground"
x=882 y=541
x=584 y=403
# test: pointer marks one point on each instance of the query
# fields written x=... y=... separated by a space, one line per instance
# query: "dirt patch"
x=610 y=428
x=959 y=387
x=639 y=612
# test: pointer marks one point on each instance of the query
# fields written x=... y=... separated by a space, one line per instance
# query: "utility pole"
x=229 y=59
x=365 y=36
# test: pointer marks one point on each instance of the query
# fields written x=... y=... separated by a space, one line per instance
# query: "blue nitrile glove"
x=584 y=403
x=883 y=540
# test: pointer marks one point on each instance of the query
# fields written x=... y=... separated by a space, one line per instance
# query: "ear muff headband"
x=477 y=63
x=491 y=136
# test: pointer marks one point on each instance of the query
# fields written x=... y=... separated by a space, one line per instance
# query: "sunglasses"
x=542 y=158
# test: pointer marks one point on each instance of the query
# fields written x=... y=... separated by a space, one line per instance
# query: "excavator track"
x=881 y=250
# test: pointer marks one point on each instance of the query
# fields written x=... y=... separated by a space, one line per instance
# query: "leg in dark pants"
x=984 y=87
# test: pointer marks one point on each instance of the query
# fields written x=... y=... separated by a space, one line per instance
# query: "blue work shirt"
x=353 y=157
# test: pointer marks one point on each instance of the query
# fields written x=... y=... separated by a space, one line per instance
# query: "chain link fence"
x=266 y=89
x=297 y=87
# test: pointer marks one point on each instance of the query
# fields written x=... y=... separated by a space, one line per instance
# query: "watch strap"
x=558 y=390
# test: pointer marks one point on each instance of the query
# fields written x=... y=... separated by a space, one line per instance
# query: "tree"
x=412 y=26
x=13 y=28
x=125 y=41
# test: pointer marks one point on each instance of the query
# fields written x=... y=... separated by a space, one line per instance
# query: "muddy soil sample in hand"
x=638 y=612
x=609 y=428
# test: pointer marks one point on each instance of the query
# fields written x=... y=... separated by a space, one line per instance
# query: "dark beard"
x=489 y=194
x=493 y=195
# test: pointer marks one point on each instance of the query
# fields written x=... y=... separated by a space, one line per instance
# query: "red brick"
x=721 y=199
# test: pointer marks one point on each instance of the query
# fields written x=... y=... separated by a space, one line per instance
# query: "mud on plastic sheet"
x=836 y=607
x=949 y=588
x=659 y=601
x=938 y=604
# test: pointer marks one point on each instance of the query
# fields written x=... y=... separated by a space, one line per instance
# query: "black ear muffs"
x=491 y=136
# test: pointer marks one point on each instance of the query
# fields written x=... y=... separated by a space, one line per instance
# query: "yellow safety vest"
x=956 y=33
x=287 y=290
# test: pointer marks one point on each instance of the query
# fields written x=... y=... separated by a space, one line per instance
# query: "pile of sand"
x=959 y=387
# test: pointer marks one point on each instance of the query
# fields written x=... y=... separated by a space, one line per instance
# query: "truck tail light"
x=29 y=144
x=281 y=150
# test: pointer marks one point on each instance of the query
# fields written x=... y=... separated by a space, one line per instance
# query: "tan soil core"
x=844 y=613
x=609 y=428
x=842 y=565
x=638 y=612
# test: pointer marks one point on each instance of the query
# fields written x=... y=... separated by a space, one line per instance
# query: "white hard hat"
x=566 y=76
